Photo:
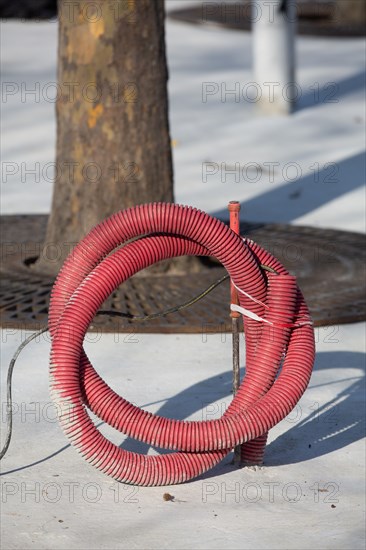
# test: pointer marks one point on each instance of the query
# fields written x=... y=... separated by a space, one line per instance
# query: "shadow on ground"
x=333 y=92
x=330 y=426
x=333 y=181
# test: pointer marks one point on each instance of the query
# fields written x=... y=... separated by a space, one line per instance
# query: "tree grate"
x=329 y=265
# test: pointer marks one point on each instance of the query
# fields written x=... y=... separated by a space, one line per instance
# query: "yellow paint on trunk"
x=81 y=45
x=83 y=41
x=97 y=27
x=94 y=114
x=129 y=105
x=75 y=206
x=108 y=131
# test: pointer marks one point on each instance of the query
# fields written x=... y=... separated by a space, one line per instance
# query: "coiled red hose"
x=283 y=341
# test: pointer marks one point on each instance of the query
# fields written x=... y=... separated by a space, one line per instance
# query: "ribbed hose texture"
x=279 y=352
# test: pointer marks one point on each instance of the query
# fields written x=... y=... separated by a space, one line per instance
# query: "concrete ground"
x=309 y=494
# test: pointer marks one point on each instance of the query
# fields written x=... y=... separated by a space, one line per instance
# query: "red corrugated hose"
x=279 y=340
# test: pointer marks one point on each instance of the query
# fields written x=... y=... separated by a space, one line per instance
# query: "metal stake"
x=234 y=208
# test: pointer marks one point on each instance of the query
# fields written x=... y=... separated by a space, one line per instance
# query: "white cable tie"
x=248 y=313
x=249 y=296
x=255 y=317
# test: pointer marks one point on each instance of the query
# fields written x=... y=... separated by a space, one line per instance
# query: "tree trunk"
x=351 y=11
x=113 y=142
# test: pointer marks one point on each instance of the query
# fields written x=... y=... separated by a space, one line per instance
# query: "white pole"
x=273 y=28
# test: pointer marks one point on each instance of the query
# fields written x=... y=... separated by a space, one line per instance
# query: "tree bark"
x=113 y=142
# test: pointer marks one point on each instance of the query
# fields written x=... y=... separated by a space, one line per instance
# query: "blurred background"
x=287 y=165
x=110 y=104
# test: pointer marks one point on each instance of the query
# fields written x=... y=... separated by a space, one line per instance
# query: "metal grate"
x=329 y=266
